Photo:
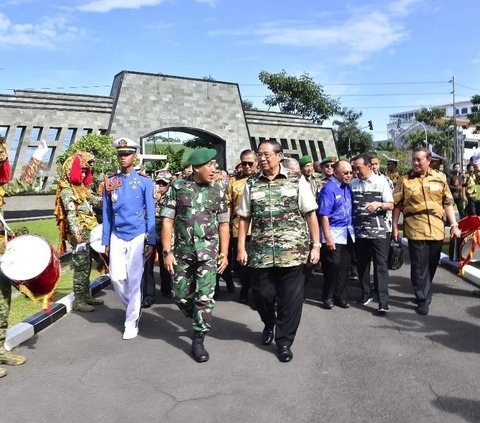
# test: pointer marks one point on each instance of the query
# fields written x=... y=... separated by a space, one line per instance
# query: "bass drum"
x=96 y=239
x=29 y=260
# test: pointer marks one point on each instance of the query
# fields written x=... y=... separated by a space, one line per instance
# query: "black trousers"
x=285 y=285
x=242 y=271
x=461 y=210
x=336 y=267
x=148 y=279
x=424 y=259
x=377 y=250
x=470 y=209
x=166 y=286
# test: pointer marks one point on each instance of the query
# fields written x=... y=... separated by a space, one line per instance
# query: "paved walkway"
x=349 y=365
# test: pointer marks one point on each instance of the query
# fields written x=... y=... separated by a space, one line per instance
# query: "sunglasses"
x=266 y=155
x=247 y=164
x=347 y=172
x=328 y=165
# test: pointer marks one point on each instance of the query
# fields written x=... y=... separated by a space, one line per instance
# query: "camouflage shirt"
x=196 y=210
x=422 y=200
x=277 y=208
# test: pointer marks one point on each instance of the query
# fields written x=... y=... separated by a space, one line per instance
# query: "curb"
x=32 y=325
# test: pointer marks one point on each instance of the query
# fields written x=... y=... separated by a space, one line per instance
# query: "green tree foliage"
x=439 y=133
x=174 y=158
x=98 y=145
x=298 y=95
x=348 y=132
x=197 y=142
x=248 y=105
x=474 y=117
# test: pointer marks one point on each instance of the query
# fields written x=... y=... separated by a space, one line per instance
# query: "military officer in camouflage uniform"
x=423 y=196
x=306 y=167
x=75 y=219
x=277 y=204
x=195 y=212
x=8 y=188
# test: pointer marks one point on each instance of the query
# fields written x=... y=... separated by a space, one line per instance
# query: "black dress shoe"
x=342 y=304
x=285 y=353
x=328 y=304
x=267 y=336
x=147 y=302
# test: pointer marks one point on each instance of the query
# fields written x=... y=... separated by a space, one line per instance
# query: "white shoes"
x=130 y=333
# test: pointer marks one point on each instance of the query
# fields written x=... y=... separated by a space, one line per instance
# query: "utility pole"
x=458 y=156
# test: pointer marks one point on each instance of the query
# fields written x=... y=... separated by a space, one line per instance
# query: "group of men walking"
x=277 y=222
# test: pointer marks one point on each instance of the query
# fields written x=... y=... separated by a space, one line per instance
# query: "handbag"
x=395 y=256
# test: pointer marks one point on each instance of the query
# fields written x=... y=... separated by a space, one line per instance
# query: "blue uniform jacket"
x=133 y=212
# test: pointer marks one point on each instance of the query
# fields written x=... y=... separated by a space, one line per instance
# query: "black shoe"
x=382 y=310
x=342 y=304
x=285 y=353
x=199 y=352
x=168 y=295
x=267 y=336
x=422 y=309
x=328 y=304
x=148 y=302
x=243 y=298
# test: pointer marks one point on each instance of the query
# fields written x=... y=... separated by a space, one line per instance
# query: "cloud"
x=353 y=39
x=103 y=6
x=47 y=33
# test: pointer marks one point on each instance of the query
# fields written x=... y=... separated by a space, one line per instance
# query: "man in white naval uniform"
x=128 y=230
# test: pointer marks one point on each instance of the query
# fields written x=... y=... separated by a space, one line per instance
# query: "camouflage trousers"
x=82 y=266
x=5 y=299
x=193 y=289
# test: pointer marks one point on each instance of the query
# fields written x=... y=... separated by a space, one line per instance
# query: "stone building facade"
x=143 y=104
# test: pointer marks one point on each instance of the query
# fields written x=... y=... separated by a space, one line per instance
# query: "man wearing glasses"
x=277 y=204
x=236 y=184
x=337 y=234
x=327 y=169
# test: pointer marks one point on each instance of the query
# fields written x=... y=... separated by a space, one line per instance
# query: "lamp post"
x=410 y=128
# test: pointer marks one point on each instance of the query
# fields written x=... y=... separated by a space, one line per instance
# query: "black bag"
x=395 y=256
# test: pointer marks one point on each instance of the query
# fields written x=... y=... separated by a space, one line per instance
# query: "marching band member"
x=75 y=219
x=11 y=187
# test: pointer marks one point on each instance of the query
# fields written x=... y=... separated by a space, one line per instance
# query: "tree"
x=248 y=105
x=474 y=117
x=174 y=159
x=300 y=96
x=98 y=145
x=351 y=139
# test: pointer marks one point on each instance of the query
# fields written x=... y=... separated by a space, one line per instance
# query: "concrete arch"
x=218 y=142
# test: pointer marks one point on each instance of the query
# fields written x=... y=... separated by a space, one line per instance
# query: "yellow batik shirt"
x=422 y=200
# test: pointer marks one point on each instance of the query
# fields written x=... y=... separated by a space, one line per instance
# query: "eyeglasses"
x=266 y=155
x=347 y=172
x=328 y=165
x=247 y=164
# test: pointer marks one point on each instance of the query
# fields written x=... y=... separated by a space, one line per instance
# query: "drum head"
x=26 y=257
x=96 y=239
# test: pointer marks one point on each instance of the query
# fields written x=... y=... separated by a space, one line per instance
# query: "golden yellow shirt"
x=422 y=200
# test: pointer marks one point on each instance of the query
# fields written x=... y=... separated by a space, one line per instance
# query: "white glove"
x=41 y=150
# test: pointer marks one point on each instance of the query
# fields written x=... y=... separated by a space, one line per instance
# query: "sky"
x=377 y=57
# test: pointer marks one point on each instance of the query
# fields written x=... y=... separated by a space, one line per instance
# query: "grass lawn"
x=22 y=307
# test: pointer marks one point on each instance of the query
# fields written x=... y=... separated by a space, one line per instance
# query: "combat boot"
x=92 y=300
x=199 y=352
x=79 y=304
x=3 y=372
x=11 y=359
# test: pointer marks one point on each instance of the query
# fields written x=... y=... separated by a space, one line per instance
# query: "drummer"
x=75 y=218
x=11 y=187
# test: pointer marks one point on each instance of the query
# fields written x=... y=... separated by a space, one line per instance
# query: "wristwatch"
x=165 y=253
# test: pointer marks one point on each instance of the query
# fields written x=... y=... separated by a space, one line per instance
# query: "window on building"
x=464 y=110
x=36 y=133
x=16 y=142
x=53 y=134
x=69 y=137
x=4 y=132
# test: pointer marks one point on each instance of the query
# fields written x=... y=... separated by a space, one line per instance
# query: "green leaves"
x=298 y=95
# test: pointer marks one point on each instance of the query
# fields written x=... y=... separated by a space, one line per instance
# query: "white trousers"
x=126 y=271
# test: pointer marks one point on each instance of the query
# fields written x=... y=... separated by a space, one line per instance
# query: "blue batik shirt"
x=335 y=201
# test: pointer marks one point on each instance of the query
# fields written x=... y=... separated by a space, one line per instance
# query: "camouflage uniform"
x=76 y=219
x=279 y=248
x=13 y=187
x=196 y=210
